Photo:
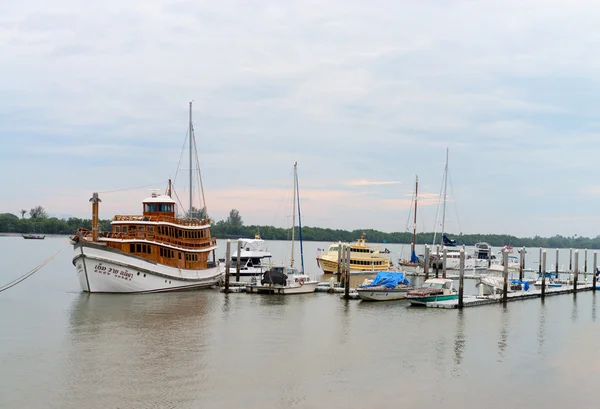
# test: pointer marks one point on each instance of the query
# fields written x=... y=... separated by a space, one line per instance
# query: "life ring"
x=301 y=281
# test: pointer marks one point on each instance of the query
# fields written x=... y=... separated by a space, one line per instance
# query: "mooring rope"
x=31 y=272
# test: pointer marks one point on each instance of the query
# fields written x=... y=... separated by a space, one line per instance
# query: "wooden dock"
x=474 y=301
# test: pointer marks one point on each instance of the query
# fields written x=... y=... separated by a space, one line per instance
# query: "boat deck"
x=474 y=301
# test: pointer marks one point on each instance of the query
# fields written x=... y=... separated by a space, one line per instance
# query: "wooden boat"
x=152 y=252
x=33 y=237
x=363 y=257
x=434 y=289
x=286 y=279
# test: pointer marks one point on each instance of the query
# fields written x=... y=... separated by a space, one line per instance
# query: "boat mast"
x=190 y=131
x=299 y=218
x=444 y=207
x=293 y=216
x=414 y=239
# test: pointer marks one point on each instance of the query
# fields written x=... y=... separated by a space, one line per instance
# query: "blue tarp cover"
x=414 y=258
x=525 y=284
x=388 y=279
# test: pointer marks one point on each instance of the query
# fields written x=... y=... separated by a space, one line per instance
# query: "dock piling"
x=461 y=280
x=347 y=277
x=585 y=263
x=339 y=263
x=543 y=270
x=444 y=262
x=505 y=273
x=227 y=264
x=570 y=260
x=594 y=280
x=576 y=270
x=426 y=262
x=238 y=261
x=521 y=263
x=556 y=267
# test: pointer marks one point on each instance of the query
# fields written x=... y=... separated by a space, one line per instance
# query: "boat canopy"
x=525 y=284
x=387 y=279
x=414 y=258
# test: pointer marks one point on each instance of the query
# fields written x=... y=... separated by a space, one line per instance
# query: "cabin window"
x=117 y=229
x=150 y=229
x=179 y=255
x=131 y=228
x=140 y=227
x=138 y=248
x=132 y=248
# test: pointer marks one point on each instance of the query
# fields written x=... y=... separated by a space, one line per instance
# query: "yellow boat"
x=363 y=257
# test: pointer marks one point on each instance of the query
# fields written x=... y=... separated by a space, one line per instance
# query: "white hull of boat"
x=381 y=295
x=307 y=288
x=100 y=270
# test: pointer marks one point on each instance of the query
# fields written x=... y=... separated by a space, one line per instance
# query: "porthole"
x=144 y=274
x=138 y=273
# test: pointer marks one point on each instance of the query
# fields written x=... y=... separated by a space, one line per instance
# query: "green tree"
x=234 y=219
x=23 y=211
x=38 y=212
x=197 y=213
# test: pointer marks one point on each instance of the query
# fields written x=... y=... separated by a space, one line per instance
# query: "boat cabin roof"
x=159 y=199
x=438 y=280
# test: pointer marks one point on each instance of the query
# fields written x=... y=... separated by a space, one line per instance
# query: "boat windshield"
x=432 y=285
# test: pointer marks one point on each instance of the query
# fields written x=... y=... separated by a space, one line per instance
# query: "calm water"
x=60 y=348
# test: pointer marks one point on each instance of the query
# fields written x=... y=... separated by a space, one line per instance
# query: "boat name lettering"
x=109 y=270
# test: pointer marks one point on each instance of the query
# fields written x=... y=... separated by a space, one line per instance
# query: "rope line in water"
x=31 y=272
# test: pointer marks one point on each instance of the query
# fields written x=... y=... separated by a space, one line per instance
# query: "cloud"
x=360 y=94
x=364 y=182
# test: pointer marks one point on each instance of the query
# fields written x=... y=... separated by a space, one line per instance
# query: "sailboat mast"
x=299 y=219
x=414 y=239
x=444 y=207
x=293 y=217
x=191 y=130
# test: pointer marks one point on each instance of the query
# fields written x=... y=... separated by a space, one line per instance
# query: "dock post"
x=543 y=273
x=505 y=263
x=594 y=280
x=556 y=269
x=227 y=264
x=461 y=279
x=238 y=261
x=576 y=270
x=426 y=262
x=339 y=263
x=585 y=263
x=540 y=263
x=570 y=260
x=521 y=263
x=347 y=278
x=444 y=262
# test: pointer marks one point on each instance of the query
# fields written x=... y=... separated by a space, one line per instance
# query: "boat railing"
x=162 y=218
x=149 y=236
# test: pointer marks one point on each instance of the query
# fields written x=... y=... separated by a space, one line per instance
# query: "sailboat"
x=414 y=261
x=148 y=253
x=283 y=279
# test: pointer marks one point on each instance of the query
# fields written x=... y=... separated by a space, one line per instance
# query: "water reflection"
x=125 y=349
x=503 y=343
x=594 y=306
x=541 y=333
x=459 y=340
x=574 y=312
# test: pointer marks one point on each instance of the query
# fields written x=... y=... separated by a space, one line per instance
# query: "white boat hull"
x=102 y=270
x=307 y=288
x=381 y=295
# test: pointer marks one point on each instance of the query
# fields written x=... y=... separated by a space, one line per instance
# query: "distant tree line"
x=233 y=227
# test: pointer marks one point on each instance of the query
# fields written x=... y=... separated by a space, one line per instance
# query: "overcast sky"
x=363 y=95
